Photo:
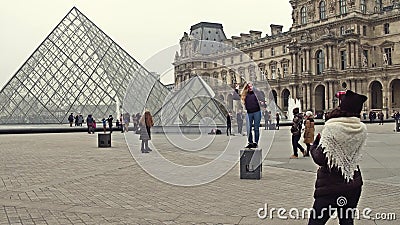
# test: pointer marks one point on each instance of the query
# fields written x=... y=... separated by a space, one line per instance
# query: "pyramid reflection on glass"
x=79 y=69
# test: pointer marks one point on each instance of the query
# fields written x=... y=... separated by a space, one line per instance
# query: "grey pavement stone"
x=66 y=179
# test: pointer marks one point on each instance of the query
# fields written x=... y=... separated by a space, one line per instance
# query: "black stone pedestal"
x=250 y=164
x=104 y=140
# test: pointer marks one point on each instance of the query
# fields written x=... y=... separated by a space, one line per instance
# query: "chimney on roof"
x=276 y=29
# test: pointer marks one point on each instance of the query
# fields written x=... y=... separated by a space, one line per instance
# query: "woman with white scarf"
x=338 y=153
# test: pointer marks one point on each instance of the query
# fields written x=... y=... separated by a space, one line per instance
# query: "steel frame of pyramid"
x=76 y=69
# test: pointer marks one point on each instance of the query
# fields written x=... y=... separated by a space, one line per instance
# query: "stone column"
x=304 y=60
x=326 y=55
x=348 y=52
x=356 y=54
x=350 y=85
x=292 y=62
x=305 y=96
x=359 y=89
x=327 y=95
x=311 y=96
x=331 y=56
x=331 y=95
x=385 y=95
x=309 y=60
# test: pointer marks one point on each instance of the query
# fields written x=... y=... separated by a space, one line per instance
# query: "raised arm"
x=317 y=154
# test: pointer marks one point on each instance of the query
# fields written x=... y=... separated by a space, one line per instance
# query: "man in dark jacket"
x=228 y=124
x=339 y=181
x=296 y=133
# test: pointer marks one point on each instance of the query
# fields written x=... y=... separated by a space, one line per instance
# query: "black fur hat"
x=296 y=111
x=352 y=102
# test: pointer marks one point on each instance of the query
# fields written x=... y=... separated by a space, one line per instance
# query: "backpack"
x=296 y=127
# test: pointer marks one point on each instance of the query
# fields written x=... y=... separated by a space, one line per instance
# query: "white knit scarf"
x=343 y=139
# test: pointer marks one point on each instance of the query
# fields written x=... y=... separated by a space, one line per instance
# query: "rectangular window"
x=363 y=7
x=241 y=57
x=251 y=55
x=272 y=51
x=261 y=53
x=343 y=7
x=273 y=71
x=365 y=58
x=387 y=57
x=215 y=64
x=205 y=65
x=386 y=28
x=285 y=69
x=343 y=60
x=284 y=49
x=364 y=31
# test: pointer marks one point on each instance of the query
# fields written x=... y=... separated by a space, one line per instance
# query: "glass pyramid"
x=76 y=69
x=193 y=103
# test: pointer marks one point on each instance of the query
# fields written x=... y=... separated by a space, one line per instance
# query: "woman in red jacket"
x=338 y=153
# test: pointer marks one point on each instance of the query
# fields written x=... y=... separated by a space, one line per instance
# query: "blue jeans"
x=256 y=118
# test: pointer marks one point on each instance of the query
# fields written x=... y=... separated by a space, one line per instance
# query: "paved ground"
x=66 y=179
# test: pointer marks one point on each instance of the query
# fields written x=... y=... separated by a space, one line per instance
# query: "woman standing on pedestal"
x=251 y=100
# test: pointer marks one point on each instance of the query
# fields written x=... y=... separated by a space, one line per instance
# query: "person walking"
x=251 y=99
x=396 y=117
x=228 y=124
x=110 y=122
x=104 y=122
x=71 y=119
x=337 y=152
x=239 y=119
x=381 y=117
x=308 y=131
x=80 y=120
x=122 y=123
x=76 y=120
x=145 y=123
x=296 y=134
x=277 y=117
x=266 y=119
x=127 y=120
x=89 y=123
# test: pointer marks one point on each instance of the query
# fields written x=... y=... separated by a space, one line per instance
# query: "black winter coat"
x=330 y=181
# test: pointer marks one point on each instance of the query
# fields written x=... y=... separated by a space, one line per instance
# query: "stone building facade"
x=332 y=45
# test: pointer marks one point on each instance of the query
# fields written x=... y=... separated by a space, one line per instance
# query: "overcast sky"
x=143 y=28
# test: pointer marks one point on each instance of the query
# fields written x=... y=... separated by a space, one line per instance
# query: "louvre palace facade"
x=332 y=45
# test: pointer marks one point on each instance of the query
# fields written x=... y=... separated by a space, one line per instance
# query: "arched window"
x=303 y=13
x=322 y=10
x=320 y=61
x=343 y=7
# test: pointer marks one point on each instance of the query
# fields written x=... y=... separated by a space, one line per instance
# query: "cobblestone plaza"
x=65 y=179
